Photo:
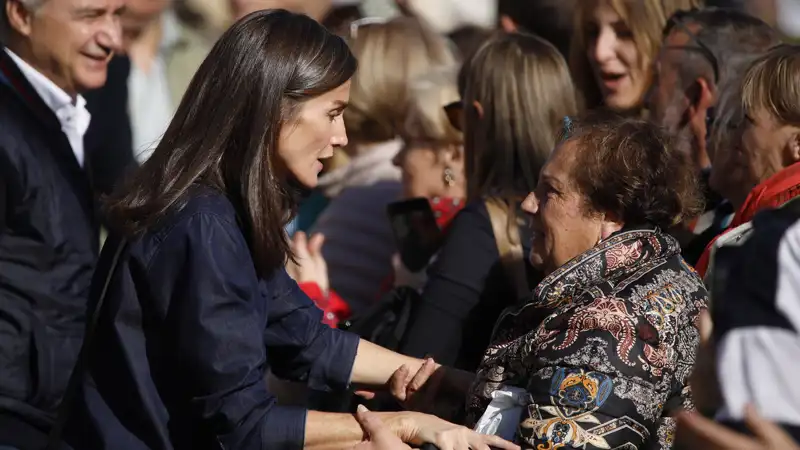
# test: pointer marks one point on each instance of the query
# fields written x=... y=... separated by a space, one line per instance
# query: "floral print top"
x=604 y=348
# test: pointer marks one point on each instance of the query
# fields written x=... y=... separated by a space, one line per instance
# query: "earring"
x=449 y=177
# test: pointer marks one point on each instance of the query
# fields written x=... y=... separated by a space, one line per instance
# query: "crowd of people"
x=341 y=224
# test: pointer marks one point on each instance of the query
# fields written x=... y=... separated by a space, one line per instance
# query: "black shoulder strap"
x=75 y=379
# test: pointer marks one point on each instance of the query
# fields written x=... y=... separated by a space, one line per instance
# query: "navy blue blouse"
x=189 y=331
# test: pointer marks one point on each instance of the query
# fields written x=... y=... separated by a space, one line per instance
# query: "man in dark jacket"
x=53 y=50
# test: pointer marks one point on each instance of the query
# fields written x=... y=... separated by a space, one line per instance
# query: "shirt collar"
x=53 y=96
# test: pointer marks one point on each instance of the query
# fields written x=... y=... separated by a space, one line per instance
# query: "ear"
x=609 y=225
x=507 y=24
x=478 y=108
x=19 y=18
x=454 y=154
x=701 y=97
x=794 y=147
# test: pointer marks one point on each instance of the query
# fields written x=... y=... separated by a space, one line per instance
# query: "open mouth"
x=612 y=80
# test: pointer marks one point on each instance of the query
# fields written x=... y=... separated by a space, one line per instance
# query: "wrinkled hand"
x=696 y=432
x=310 y=265
x=432 y=389
x=420 y=429
x=417 y=390
x=703 y=380
x=378 y=436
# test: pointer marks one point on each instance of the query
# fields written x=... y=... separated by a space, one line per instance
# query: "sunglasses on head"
x=678 y=21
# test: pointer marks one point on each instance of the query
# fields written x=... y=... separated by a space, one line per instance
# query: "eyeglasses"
x=356 y=24
x=455 y=114
x=677 y=20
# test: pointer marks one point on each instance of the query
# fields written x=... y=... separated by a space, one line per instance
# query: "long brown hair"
x=225 y=132
x=524 y=89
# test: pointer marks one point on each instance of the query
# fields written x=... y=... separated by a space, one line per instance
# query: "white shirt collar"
x=73 y=117
x=53 y=96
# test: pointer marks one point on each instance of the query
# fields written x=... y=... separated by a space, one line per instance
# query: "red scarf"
x=772 y=193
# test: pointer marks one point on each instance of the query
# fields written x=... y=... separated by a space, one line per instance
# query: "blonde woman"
x=359 y=242
x=515 y=90
x=613 y=48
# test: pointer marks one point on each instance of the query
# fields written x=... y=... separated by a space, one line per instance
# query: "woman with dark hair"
x=198 y=305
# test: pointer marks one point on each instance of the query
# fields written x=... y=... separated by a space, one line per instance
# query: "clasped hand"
x=420 y=391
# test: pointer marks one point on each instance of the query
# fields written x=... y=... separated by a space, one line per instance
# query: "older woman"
x=600 y=354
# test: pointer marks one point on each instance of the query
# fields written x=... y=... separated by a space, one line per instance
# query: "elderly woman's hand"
x=310 y=266
x=431 y=385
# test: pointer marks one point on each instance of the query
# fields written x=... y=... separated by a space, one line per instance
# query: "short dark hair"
x=225 y=132
x=631 y=168
x=551 y=20
x=731 y=36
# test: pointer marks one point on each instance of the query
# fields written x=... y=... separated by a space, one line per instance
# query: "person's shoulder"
x=202 y=208
x=473 y=213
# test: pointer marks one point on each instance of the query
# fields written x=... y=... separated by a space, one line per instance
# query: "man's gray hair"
x=5 y=28
x=734 y=38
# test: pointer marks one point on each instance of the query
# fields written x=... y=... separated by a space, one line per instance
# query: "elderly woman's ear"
x=610 y=225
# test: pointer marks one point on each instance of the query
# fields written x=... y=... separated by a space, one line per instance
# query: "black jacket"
x=185 y=338
x=48 y=249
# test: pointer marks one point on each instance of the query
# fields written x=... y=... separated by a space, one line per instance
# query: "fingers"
x=300 y=245
x=695 y=431
x=316 y=243
x=369 y=421
x=770 y=433
x=398 y=382
x=367 y=395
x=498 y=442
x=705 y=325
x=423 y=374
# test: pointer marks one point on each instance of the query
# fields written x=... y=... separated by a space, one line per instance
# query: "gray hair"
x=5 y=27
x=733 y=38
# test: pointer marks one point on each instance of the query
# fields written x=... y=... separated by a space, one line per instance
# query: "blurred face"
x=767 y=146
x=616 y=63
x=70 y=41
x=423 y=167
x=561 y=227
x=140 y=13
x=759 y=149
x=316 y=130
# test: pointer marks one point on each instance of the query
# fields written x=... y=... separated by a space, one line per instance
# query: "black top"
x=467 y=289
x=186 y=336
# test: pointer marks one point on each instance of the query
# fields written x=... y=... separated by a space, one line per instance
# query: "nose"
x=604 y=46
x=531 y=204
x=110 y=36
x=339 y=138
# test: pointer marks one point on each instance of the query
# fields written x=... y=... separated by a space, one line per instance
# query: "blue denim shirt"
x=189 y=332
